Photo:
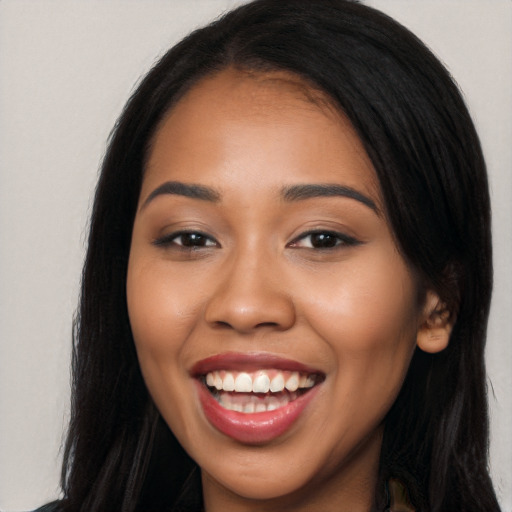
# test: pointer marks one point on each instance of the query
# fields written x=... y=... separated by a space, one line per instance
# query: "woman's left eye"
x=323 y=240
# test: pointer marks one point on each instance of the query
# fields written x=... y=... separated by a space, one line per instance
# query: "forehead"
x=253 y=119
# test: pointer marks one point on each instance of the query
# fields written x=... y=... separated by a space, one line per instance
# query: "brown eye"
x=186 y=240
x=193 y=240
x=324 y=240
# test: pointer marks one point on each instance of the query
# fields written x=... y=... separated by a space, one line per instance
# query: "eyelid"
x=169 y=239
x=346 y=240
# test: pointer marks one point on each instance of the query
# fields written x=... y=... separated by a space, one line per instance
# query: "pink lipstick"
x=254 y=398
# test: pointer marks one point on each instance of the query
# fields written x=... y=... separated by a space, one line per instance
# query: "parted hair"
x=415 y=127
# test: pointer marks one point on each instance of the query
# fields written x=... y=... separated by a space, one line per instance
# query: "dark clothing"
x=397 y=495
x=50 y=507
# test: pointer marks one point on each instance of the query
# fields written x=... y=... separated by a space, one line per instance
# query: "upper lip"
x=249 y=362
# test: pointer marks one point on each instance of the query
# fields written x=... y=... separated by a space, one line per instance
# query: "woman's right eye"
x=186 y=240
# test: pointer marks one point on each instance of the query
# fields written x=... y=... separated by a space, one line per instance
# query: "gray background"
x=66 y=69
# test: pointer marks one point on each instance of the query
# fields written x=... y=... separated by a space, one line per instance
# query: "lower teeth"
x=250 y=403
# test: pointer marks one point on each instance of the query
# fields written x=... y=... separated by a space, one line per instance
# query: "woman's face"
x=262 y=263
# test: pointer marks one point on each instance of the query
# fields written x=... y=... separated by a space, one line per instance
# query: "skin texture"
x=256 y=283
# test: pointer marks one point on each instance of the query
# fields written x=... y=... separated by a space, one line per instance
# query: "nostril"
x=247 y=308
x=267 y=324
x=226 y=325
x=222 y=324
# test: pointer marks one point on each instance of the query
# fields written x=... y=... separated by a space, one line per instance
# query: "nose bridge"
x=251 y=293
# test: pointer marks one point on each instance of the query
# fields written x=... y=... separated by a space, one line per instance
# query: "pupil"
x=192 y=239
x=323 y=240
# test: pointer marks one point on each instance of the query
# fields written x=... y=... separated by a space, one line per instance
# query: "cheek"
x=368 y=324
x=161 y=324
x=161 y=311
x=368 y=318
x=161 y=318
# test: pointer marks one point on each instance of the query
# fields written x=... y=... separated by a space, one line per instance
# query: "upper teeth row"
x=259 y=382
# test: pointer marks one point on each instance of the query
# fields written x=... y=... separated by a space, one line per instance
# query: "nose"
x=250 y=296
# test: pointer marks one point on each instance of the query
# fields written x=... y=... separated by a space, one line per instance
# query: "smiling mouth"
x=254 y=397
x=258 y=391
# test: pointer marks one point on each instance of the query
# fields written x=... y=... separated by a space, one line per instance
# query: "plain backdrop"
x=66 y=69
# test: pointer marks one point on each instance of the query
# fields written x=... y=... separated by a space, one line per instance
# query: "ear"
x=436 y=324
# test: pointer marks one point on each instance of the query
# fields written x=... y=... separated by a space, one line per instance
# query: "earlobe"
x=436 y=325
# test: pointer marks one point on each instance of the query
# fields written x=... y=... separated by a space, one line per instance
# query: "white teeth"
x=243 y=383
x=277 y=383
x=310 y=382
x=228 y=384
x=217 y=381
x=292 y=384
x=273 y=404
x=253 y=404
x=249 y=407
x=261 y=383
x=224 y=401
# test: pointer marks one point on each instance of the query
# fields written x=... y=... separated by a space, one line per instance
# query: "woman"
x=289 y=267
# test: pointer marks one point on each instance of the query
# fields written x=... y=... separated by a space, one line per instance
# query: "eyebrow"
x=184 y=189
x=291 y=193
x=309 y=191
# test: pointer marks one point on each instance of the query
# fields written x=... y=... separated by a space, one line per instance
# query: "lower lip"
x=253 y=428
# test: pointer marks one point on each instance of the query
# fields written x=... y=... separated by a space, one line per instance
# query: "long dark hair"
x=411 y=118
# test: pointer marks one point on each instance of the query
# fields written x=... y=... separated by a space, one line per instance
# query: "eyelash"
x=340 y=240
x=170 y=240
x=333 y=240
